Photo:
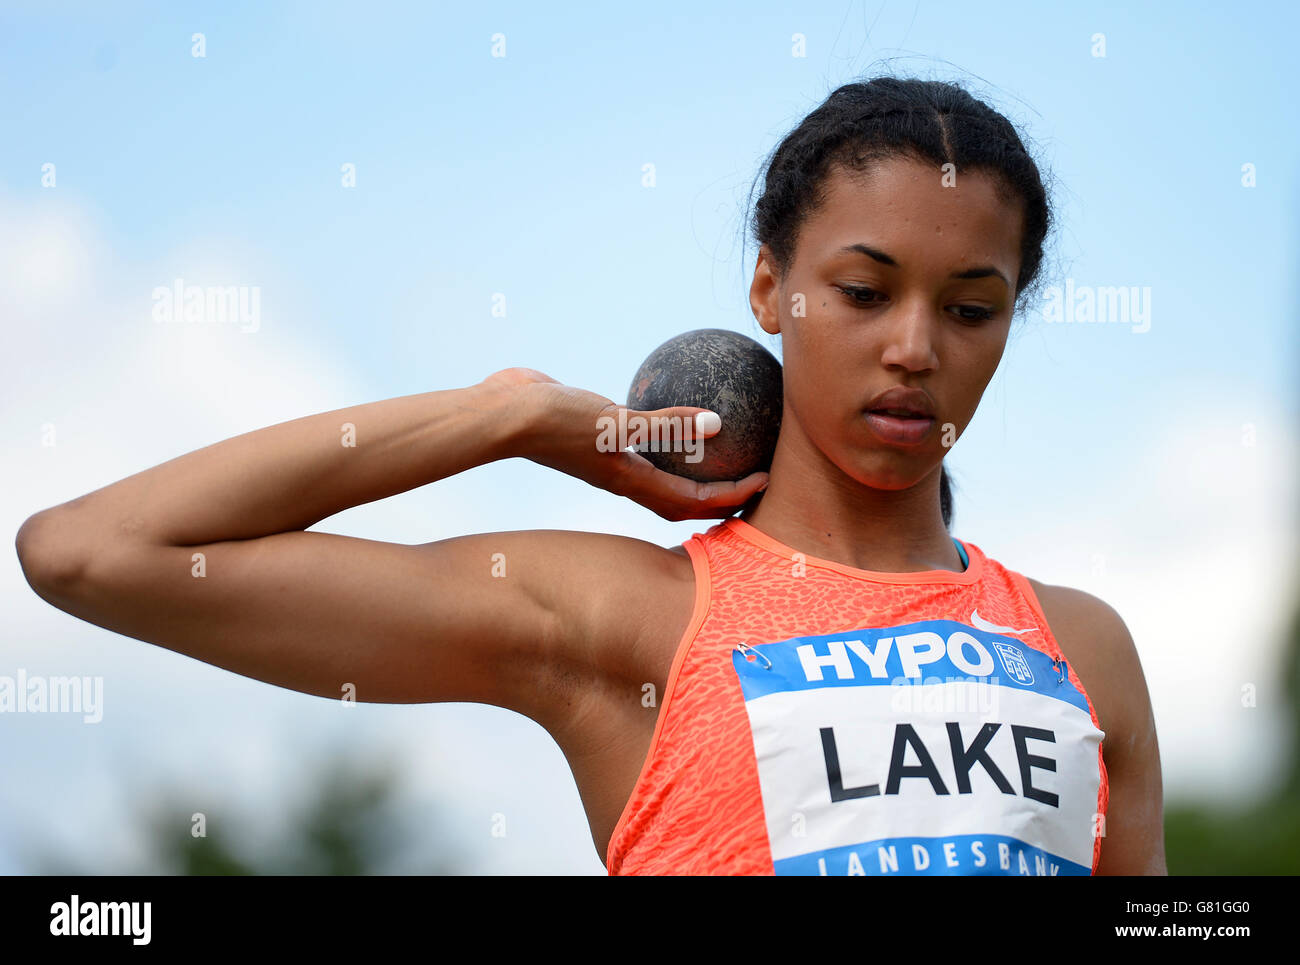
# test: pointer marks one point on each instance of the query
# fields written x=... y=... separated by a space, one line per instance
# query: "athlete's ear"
x=765 y=293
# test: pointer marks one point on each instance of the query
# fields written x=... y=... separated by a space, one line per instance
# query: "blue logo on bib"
x=1014 y=663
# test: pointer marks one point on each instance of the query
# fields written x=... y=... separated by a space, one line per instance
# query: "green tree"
x=350 y=823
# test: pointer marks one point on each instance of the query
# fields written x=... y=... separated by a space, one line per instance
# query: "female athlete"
x=827 y=683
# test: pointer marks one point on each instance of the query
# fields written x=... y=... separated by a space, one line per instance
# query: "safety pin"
x=1060 y=668
x=746 y=649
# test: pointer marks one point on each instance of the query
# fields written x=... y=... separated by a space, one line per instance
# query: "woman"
x=717 y=701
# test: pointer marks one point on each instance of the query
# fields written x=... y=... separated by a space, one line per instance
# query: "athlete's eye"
x=861 y=296
x=981 y=314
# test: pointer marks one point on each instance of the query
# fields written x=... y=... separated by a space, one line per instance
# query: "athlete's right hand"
x=562 y=427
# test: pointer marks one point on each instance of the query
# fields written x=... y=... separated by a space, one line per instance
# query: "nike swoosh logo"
x=978 y=621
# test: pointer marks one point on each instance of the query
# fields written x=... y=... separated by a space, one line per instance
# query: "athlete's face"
x=854 y=324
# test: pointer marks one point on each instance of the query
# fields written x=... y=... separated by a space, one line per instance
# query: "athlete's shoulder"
x=1096 y=640
x=1085 y=624
x=619 y=596
x=603 y=566
x=594 y=550
x=1073 y=607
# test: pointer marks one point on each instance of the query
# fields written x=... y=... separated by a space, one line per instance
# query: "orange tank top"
x=821 y=719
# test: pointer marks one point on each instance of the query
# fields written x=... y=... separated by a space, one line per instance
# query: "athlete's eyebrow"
x=979 y=271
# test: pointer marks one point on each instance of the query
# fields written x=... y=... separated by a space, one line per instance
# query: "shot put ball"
x=727 y=373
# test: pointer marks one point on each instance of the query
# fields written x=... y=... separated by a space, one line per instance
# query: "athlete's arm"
x=208 y=554
x=1104 y=656
x=1135 y=829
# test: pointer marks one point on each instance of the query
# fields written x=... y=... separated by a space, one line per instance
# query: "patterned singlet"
x=821 y=719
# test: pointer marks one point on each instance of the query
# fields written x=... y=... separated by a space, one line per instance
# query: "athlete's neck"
x=886 y=531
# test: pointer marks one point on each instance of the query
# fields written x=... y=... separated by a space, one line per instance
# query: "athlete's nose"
x=909 y=338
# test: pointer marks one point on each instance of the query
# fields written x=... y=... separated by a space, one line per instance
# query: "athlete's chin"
x=886 y=467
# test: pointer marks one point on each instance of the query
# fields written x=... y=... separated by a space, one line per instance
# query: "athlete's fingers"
x=676 y=497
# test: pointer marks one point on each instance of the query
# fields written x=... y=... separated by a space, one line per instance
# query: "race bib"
x=928 y=748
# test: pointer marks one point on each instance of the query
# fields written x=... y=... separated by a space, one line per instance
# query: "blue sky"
x=1154 y=469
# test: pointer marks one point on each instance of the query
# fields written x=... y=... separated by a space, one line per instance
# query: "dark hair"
x=934 y=122
x=945 y=498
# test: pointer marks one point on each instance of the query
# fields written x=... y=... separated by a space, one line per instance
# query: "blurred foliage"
x=349 y=823
x=1263 y=838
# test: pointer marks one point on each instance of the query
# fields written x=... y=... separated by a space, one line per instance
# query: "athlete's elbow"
x=49 y=553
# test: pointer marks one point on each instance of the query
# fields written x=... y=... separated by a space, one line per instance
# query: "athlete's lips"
x=899 y=431
x=901 y=416
x=904 y=402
